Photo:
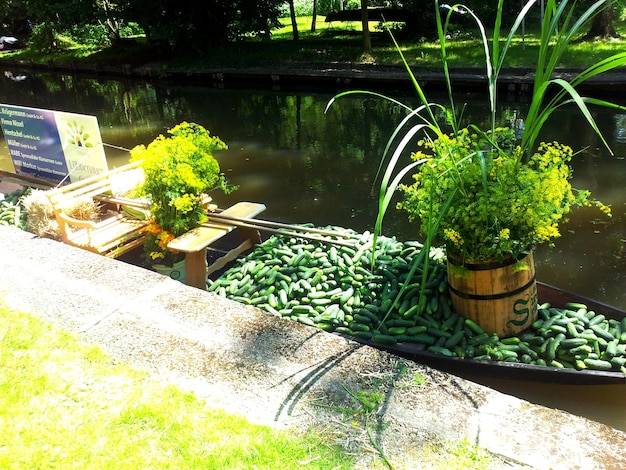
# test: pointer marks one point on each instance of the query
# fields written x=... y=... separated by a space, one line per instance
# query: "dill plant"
x=179 y=172
x=500 y=207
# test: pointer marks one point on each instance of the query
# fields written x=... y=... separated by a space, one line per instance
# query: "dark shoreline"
x=323 y=76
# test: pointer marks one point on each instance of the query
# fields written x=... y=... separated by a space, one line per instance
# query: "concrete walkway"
x=274 y=371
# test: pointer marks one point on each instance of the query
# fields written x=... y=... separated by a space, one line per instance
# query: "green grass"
x=65 y=404
x=339 y=42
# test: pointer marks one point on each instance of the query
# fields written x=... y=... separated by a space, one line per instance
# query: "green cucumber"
x=356 y=326
x=384 y=339
x=414 y=330
x=453 y=340
x=576 y=306
x=440 y=350
x=598 y=364
x=573 y=342
x=474 y=326
x=362 y=334
x=601 y=332
x=362 y=319
x=397 y=330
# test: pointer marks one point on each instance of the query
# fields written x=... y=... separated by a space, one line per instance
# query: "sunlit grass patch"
x=65 y=404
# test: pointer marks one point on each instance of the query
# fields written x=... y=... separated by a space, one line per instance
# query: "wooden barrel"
x=500 y=297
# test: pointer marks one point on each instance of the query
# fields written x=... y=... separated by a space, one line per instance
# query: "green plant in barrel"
x=488 y=193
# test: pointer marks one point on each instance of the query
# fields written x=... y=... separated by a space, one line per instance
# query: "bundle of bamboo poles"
x=307 y=233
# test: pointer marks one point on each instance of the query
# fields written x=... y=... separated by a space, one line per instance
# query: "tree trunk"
x=602 y=25
x=367 y=40
x=314 y=19
x=294 y=22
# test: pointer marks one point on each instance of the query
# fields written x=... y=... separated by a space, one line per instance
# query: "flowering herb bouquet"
x=499 y=207
x=179 y=171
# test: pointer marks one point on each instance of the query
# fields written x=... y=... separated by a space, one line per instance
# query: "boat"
x=514 y=370
x=416 y=352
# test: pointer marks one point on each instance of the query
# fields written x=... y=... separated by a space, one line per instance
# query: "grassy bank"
x=65 y=404
x=331 y=42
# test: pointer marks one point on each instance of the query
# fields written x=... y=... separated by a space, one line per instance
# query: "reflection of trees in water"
x=620 y=128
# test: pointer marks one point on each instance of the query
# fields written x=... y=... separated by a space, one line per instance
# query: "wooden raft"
x=115 y=233
x=195 y=242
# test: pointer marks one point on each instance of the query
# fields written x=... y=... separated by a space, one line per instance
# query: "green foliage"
x=499 y=207
x=191 y=27
x=90 y=35
x=179 y=171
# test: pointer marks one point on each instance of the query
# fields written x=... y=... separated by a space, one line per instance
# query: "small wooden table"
x=195 y=242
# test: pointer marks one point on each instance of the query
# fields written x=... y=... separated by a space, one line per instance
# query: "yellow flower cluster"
x=179 y=171
x=498 y=205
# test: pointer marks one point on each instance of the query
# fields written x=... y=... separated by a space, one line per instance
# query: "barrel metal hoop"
x=501 y=295
x=486 y=265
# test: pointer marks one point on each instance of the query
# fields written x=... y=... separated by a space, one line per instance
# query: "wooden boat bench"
x=113 y=235
x=195 y=242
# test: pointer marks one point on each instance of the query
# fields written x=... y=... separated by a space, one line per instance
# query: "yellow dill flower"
x=454 y=236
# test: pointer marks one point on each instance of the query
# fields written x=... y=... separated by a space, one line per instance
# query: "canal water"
x=308 y=165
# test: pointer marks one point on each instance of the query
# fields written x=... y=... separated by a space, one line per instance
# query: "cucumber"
x=573 y=342
x=414 y=330
x=356 y=326
x=474 y=327
x=368 y=312
x=597 y=319
x=576 y=306
x=440 y=350
x=601 y=332
x=597 y=364
x=582 y=350
x=397 y=330
x=362 y=319
x=401 y=322
x=305 y=320
x=344 y=330
x=384 y=339
x=424 y=338
x=362 y=334
x=453 y=340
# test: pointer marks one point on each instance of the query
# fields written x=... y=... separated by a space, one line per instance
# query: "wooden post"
x=196 y=269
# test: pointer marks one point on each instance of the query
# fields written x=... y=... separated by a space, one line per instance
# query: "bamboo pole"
x=279 y=225
x=286 y=230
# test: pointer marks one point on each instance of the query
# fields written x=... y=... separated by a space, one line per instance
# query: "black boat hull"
x=518 y=371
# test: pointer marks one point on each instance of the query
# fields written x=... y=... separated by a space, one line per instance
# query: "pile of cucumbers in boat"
x=349 y=290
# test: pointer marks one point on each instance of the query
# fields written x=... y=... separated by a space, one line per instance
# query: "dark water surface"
x=311 y=166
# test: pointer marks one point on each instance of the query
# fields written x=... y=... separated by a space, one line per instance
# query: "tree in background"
x=602 y=24
x=196 y=26
x=14 y=19
x=294 y=22
x=367 y=40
